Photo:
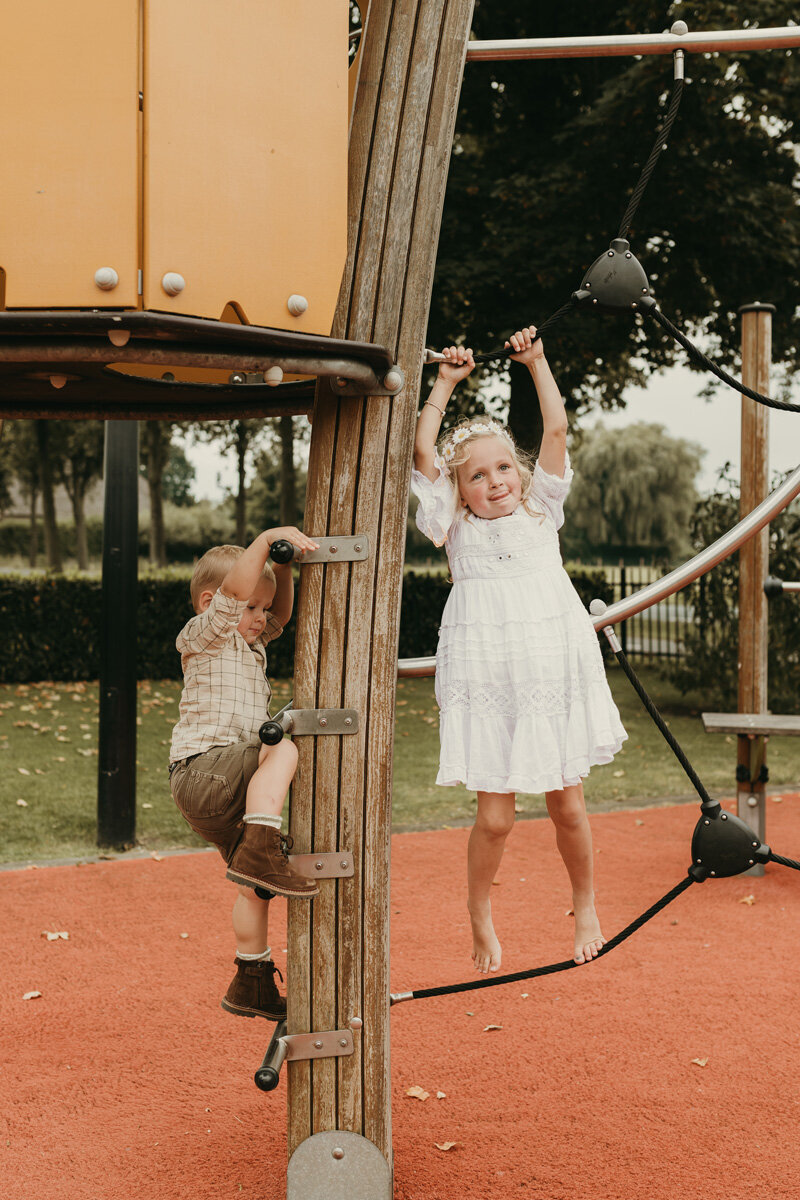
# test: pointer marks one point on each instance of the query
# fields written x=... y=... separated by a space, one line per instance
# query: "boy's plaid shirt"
x=226 y=693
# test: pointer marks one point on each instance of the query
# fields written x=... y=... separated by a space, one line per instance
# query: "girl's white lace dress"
x=524 y=705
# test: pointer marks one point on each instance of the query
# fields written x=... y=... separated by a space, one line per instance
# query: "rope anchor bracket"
x=615 y=282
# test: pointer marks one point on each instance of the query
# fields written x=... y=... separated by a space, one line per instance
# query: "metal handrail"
x=616 y=45
x=668 y=584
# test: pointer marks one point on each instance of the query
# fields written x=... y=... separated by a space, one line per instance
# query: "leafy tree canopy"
x=546 y=156
x=634 y=487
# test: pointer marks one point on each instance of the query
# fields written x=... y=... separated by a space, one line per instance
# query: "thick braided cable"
x=659 y=721
x=505 y=351
x=474 y=984
x=784 y=862
x=650 y=165
x=705 y=362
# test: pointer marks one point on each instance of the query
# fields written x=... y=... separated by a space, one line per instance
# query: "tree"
x=244 y=437
x=178 y=478
x=634 y=489
x=47 y=471
x=157 y=436
x=19 y=439
x=79 y=464
x=711 y=648
x=545 y=158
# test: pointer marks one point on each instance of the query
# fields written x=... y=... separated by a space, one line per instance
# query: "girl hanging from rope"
x=520 y=683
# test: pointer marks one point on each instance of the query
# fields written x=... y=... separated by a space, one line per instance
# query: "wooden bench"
x=752 y=731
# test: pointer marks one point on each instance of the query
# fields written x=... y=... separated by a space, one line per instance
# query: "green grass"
x=48 y=760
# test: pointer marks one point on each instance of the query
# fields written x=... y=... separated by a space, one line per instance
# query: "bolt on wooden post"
x=754 y=568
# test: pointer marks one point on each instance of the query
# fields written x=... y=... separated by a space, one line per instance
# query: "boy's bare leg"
x=270 y=782
x=567 y=810
x=250 y=922
x=493 y=824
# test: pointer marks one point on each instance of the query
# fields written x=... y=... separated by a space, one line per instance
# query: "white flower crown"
x=462 y=432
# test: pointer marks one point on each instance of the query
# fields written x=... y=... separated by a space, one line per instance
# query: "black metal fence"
x=658 y=632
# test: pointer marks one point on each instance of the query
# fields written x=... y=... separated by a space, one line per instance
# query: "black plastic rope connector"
x=615 y=282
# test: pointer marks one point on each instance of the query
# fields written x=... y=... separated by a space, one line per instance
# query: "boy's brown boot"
x=253 y=991
x=260 y=860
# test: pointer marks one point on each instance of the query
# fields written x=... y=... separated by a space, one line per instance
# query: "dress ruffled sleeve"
x=437 y=503
x=551 y=490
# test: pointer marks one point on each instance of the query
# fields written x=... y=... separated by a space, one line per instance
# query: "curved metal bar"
x=662 y=588
x=615 y=45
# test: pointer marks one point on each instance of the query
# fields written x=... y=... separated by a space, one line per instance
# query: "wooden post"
x=412 y=56
x=754 y=568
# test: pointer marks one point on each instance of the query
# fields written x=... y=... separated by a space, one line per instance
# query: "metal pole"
x=753 y=569
x=619 y=45
x=116 y=780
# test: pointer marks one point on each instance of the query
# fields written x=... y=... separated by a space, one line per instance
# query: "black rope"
x=649 y=166
x=504 y=352
x=658 y=720
x=784 y=862
x=705 y=362
x=551 y=968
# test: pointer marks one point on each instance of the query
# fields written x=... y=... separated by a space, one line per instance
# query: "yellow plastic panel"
x=69 y=110
x=245 y=165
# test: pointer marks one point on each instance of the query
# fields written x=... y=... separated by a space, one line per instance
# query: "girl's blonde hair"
x=211 y=569
x=453 y=450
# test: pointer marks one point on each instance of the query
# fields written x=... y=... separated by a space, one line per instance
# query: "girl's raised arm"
x=553 y=452
x=458 y=365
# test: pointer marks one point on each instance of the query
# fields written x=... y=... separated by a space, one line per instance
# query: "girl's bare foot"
x=486 y=951
x=589 y=939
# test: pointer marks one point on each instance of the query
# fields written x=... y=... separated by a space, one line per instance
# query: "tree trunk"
x=241 y=494
x=154 y=443
x=524 y=413
x=52 y=545
x=288 y=478
x=77 y=497
x=33 y=540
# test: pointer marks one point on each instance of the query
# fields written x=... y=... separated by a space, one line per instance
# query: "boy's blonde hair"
x=453 y=450
x=211 y=569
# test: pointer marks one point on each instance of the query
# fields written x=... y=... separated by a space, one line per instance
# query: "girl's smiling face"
x=489 y=481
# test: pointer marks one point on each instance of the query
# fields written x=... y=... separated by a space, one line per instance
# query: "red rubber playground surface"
x=669 y=1069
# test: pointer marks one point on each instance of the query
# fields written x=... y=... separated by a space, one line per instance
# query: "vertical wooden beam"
x=754 y=566
x=412 y=56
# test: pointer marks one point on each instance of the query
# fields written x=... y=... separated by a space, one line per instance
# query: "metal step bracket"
x=338 y=549
x=389 y=384
x=302 y=722
x=332 y=1043
x=336 y=864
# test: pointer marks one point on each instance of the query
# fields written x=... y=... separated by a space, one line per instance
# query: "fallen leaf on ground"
x=445 y=1145
x=53 y=937
x=700 y=1062
x=31 y=995
x=618 y=774
x=417 y=1093
x=486 y=1028
x=748 y=900
x=155 y=857
x=22 y=804
x=441 y=1095
x=23 y=770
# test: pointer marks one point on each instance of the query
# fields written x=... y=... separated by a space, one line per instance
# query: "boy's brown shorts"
x=210 y=791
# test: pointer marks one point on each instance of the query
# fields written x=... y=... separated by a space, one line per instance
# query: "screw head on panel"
x=297 y=305
x=173 y=283
x=337 y=1152
x=106 y=278
x=393 y=380
x=59 y=381
x=679 y=28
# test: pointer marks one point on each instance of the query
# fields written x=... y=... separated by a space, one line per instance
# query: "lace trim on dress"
x=514 y=700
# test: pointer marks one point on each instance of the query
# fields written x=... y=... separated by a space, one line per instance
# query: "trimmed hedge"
x=51 y=624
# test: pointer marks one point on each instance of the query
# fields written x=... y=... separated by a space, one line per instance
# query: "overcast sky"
x=670 y=399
